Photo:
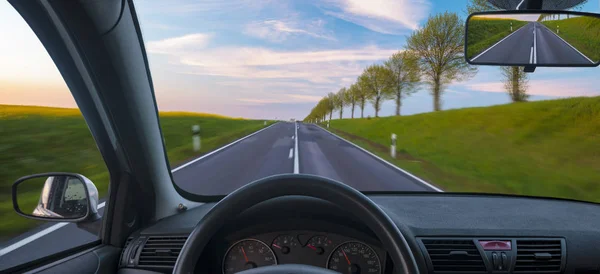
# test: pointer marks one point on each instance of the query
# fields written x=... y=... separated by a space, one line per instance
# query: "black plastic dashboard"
x=448 y=233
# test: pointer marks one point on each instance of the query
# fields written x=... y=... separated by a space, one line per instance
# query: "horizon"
x=266 y=59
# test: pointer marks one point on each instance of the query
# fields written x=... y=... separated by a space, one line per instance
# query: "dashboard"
x=447 y=233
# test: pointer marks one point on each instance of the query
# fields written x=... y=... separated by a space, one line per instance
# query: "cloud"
x=281 y=99
x=385 y=16
x=322 y=66
x=177 y=45
x=556 y=87
x=278 y=31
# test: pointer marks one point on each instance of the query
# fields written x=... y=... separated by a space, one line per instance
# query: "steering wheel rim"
x=305 y=185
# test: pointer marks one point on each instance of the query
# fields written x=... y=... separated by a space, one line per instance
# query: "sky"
x=271 y=59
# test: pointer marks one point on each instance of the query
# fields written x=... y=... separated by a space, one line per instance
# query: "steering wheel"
x=296 y=184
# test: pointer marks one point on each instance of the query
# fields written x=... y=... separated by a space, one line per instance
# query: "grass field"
x=546 y=148
x=40 y=139
x=485 y=32
x=581 y=32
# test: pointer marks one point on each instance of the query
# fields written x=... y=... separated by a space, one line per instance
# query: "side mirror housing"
x=56 y=196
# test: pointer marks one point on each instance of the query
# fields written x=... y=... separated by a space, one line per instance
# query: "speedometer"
x=247 y=254
x=354 y=258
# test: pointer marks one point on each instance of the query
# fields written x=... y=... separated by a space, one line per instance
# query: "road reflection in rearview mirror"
x=533 y=39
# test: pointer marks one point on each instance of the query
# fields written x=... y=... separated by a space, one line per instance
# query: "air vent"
x=161 y=251
x=539 y=256
x=454 y=256
x=123 y=261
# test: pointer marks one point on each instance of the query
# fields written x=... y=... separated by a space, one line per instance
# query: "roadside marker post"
x=393 y=146
x=510 y=26
x=327 y=124
x=557 y=30
x=265 y=123
x=196 y=137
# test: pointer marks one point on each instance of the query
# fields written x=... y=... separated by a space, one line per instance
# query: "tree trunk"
x=362 y=108
x=341 y=112
x=398 y=102
x=330 y=113
x=437 y=104
x=353 y=104
x=515 y=85
x=377 y=106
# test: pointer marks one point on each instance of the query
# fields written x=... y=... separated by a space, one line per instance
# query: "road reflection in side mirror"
x=53 y=197
x=534 y=39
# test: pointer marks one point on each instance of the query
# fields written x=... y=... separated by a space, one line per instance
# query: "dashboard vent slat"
x=160 y=252
x=442 y=253
x=122 y=260
x=532 y=256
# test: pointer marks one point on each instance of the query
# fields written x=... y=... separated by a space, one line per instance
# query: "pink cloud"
x=555 y=87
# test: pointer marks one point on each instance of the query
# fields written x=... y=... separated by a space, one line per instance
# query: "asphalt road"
x=271 y=152
x=533 y=44
x=281 y=148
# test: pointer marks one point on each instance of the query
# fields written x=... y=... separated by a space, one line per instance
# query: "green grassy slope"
x=485 y=32
x=547 y=148
x=40 y=139
x=581 y=32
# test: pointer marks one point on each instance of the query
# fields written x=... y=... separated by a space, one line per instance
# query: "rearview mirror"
x=531 y=38
x=60 y=197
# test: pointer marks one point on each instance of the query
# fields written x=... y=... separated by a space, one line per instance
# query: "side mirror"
x=60 y=197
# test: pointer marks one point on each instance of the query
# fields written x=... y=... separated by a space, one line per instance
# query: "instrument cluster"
x=336 y=252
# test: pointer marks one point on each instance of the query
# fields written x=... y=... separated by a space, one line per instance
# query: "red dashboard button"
x=495 y=245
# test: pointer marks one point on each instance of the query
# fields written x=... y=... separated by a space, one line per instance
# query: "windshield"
x=376 y=95
x=339 y=89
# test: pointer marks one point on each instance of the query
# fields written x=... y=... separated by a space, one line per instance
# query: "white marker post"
x=393 y=146
x=265 y=123
x=327 y=124
x=557 y=30
x=510 y=26
x=196 y=137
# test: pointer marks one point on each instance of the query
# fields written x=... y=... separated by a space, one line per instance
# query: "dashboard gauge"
x=285 y=243
x=319 y=244
x=247 y=254
x=354 y=258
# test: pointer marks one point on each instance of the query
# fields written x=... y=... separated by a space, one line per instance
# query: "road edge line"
x=569 y=44
x=219 y=149
x=479 y=55
x=385 y=161
x=54 y=227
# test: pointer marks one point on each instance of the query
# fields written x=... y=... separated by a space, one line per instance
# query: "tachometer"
x=354 y=258
x=247 y=254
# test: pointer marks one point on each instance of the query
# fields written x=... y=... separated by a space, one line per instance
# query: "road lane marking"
x=534 y=44
x=38 y=235
x=520 y=3
x=55 y=227
x=531 y=56
x=383 y=160
x=219 y=149
x=291 y=153
x=473 y=59
x=571 y=46
x=296 y=161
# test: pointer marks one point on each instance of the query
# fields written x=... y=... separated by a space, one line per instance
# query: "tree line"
x=433 y=57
